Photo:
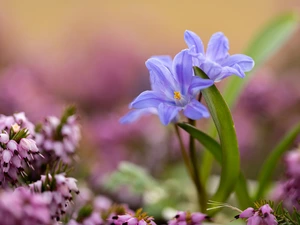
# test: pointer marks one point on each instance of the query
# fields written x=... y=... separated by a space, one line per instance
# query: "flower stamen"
x=177 y=95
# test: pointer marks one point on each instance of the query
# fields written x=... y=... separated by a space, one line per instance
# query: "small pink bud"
x=4 y=137
x=247 y=213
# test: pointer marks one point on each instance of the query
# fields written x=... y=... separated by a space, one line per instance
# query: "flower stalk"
x=201 y=191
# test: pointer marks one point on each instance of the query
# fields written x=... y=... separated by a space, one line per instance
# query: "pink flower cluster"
x=23 y=207
x=186 y=218
x=59 y=191
x=17 y=148
x=262 y=216
x=59 y=143
x=128 y=219
x=93 y=219
x=288 y=191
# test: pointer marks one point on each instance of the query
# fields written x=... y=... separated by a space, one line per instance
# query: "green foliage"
x=215 y=149
x=208 y=142
x=133 y=176
x=222 y=118
x=268 y=167
x=84 y=212
x=23 y=133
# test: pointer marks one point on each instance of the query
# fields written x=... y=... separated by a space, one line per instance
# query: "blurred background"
x=92 y=54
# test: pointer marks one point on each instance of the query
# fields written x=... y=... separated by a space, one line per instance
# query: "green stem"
x=201 y=192
x=184 y=154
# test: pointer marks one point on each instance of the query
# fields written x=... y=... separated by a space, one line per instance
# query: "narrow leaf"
x=215 y=149
x=208 y=142
x=230 y=154
x=271 y=162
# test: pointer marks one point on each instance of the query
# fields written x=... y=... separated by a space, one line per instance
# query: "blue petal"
x=147 y=99
x=167 y=113
x=218 y=47
x=183 y=70
x=195 y=110
x=228 y=71
x=135 y=114
x=192 y=39
x=199 y=84
x=211 y=69
x=161 y=78
x=245 y=62
x=166 y=60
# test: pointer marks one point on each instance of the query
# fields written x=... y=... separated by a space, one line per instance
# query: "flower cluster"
x=174 y=84
x=264 y=215
x=187 y=218
x=17 y=148
x=139 y=218
x=59 y=138
x=59 y=190
x=288 y=191
x=23 y=207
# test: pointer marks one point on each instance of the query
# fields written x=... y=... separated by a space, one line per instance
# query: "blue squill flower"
x=174 y=89
x=216 y=62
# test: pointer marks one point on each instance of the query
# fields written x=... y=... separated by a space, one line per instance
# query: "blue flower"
x=216 y=62
x=174 y=89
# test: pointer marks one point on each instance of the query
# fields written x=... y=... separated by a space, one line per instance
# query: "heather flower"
x=138 y=219
x=17 y=148
x=288 y=191
x=216 y=62
x=174 y=89
x=59 y=190
x=23 y=207
x=187 y=218
x=262 y=216
x=59 y=139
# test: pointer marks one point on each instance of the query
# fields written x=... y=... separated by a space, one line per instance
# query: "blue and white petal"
x=183 y=70
x=148 y=99
x=245 y=62
x=167 y=113
x=192 y=39
x=195 y=110
x=217 y=48
x=166 y=60
x=211 y=69
x=199 y=84
x=161 y=77
x=135 y=114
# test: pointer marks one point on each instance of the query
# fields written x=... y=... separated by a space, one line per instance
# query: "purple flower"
x=174 y=88
x=17 y=147
x=288 y=191
x=216 y=62
x=264 y=215
x=58 y=191
x=187 y=218
x=24 y=207
x=138 y=219
x=62 y=147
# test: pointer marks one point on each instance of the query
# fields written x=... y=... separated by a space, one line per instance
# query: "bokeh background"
x=92 y=54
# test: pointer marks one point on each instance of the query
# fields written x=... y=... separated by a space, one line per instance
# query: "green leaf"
x=215 y=149
x=208 y=142
x=263 y=46
x=230 y=153
x=268 y=167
